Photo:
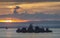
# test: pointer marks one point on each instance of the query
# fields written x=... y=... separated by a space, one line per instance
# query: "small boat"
x=6 y=27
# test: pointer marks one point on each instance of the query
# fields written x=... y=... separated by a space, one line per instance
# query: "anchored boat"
x=31 y=30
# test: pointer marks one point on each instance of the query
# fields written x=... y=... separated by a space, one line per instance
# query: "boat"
x=18 y=30
x=6 y=27
x=31 y=30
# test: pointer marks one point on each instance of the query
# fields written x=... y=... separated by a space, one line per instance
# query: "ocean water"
x=11 y=33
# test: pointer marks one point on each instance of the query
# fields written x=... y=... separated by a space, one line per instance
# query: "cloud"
x=40 y=16
x=35 y=11
x=41 y=7
x=32 y=17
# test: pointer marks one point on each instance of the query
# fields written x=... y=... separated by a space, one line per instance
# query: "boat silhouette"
x=6 y=27
x=31 y=30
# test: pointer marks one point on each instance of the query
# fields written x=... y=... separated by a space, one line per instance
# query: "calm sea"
x=11 y=33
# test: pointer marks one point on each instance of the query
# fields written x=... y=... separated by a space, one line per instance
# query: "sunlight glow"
x=13 y=21
x=5 y=20
x=8 y=21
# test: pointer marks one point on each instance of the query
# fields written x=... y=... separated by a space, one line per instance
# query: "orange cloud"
x=32 y=8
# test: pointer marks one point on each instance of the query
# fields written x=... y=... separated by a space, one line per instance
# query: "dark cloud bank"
x=32 y=16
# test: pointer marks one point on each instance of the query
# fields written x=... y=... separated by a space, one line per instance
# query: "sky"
x=26 y=0
x=40 y=7
x=32 y=9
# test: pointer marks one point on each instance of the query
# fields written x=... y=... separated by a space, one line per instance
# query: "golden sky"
x=31 y=8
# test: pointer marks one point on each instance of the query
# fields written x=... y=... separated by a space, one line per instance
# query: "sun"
x=8 y=21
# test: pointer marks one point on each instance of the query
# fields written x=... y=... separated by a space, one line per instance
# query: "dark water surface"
x=11 y=33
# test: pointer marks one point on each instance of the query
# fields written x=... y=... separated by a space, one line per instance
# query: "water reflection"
x=8 y=33
x=11 y=33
